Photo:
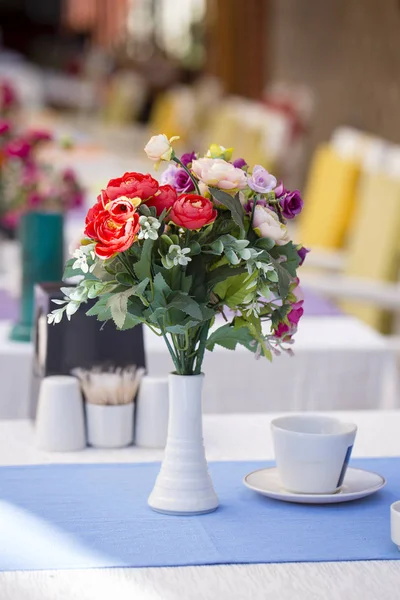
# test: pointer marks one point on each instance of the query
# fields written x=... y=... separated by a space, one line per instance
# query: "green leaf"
x=195 y=248
x=264 y=243
x=143 y=267
x=292 y=258
x=125 y=279
x=232 y=203
x=234 y=290
x=186 y=283
x=283 y=278
x=118 y=305
x=222 y=273
x=130 y=322
x=186 y=304
x=182 y=327
x=100 y=309
x=228 y=337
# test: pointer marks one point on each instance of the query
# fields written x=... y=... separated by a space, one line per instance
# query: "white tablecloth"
x=227 y=437
x=339 y=363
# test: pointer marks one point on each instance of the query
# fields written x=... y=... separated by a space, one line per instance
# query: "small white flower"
x=176 y=256
x=148 y=228
x=81 y=255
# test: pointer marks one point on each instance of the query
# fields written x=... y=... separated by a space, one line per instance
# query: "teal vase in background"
x=42 y=257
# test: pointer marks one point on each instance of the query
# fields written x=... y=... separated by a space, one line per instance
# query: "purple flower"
x=183 y=183
x=168 y=177
x=261 y=181
x=248 y=206
x=239 y=163
x=280 y=190
x=188 y=158
x=302 y=252
x=291 y=204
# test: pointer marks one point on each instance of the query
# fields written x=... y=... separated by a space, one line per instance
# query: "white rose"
x=217 y=172
x=159 y=147
x=267 y=224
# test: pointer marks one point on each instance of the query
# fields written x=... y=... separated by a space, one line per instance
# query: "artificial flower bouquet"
x=26 y=181
x=203 y=258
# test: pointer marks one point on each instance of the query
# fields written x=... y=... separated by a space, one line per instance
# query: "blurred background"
x=309 y=89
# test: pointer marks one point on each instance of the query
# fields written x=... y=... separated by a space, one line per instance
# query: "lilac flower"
x=183 y=183
x=168 y=177
x=291 y=204
x=239 y=163
x=188 y=158
x=302 y=252
x=261 y=181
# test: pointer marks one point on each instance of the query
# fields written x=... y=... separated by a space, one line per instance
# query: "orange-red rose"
x=113 y=228
x=164 y=198
x=132 y=185
x=192 y=211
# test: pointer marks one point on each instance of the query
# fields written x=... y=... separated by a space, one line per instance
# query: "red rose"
x=192 y=212
x=163 y=199
x=132 y=185
x=113 y=228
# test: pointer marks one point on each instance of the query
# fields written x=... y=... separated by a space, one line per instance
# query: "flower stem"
x=202 y=347
x=180 y=163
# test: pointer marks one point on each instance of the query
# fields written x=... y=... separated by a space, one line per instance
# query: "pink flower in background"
x=35 y=136
x=18 y=148
x=4 y=127
x=8 y=95
x=34 y=200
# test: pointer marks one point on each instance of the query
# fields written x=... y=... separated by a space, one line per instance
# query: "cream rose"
x=217 y=172
x=266 y=224
x=159 y=147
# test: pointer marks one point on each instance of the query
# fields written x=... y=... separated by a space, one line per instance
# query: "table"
x=339 y=363
x=378 y=436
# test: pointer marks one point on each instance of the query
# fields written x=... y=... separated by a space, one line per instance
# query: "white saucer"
x=357 y=484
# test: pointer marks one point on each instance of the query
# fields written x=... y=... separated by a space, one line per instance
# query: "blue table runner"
x=85 y=516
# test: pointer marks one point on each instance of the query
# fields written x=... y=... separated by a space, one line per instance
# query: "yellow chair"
x=373 y=249
x=174 y=113
x=329 y=199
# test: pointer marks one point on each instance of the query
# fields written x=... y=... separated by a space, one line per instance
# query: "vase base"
x=180 y=513
x=21 y=333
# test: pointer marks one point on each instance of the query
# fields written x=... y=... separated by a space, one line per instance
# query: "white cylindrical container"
x=151 y=422
x=109 y=426
x=60 y=425
x=184 y=486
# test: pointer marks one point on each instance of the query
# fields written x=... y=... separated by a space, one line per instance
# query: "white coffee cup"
x=312 y=452
x=60 y=425
x=395 y=523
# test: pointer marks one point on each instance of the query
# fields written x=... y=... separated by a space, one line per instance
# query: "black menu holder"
x=81 y=342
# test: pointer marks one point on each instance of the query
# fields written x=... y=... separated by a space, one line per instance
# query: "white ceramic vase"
x=151 y=419
x=109 y=426
x=184 y=486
